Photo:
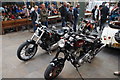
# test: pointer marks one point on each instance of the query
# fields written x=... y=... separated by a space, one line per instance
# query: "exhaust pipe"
x=103 y=45
x=84 y=58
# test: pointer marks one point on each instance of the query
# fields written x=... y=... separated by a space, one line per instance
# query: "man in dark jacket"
x=69 y=16
x=35 y=17
x=93 y=12
x=76 y=16
x=104 y=14
x=63 y=11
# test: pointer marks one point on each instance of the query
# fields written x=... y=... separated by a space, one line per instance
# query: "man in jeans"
x=76 y=16
x=63 y=11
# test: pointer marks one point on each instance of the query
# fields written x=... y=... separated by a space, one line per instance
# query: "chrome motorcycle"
x=44 y=37
x=75 y=48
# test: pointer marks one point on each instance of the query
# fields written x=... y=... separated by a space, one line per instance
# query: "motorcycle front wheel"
x=26 y=51
x=53 y=71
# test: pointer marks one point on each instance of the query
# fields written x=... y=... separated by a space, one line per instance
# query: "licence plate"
x=116 y=44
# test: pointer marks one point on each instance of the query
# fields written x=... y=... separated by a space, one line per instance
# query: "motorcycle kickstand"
x=79 y=73
x=49 y=52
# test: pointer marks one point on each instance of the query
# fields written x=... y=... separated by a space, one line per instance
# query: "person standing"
x=35 y=17
x=104 y=14
x=68 y=6
x=98 y=16
x=94 y=10
x=44 y=15
x=76 y=16
x=63 y=11
x=25 y=11
x=69 y=16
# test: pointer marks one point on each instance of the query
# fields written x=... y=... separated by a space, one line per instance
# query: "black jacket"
x=104 y=12
x=76 y=12
x=34 y=16
x=69 y=16
x=63 y=11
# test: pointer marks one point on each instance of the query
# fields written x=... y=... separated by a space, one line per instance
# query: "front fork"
x=38 y=37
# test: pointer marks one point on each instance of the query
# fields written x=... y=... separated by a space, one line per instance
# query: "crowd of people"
x=68 y=12
x=14 y=12
x=11 y=12
x=102 y=13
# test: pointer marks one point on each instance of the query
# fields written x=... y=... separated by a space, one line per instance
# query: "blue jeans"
x=45 y=23
x=75 y=24
x=34 y=26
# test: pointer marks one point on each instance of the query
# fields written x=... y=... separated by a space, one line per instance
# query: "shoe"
x=117 y=73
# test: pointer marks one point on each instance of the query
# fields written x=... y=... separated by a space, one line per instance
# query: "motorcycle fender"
x=31 y=41
x=57 y=61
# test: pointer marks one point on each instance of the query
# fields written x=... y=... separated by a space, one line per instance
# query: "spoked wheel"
x=53 y=71
x=26 y=51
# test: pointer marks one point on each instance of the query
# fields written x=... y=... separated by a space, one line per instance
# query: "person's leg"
x=96 y=24
x=43 y=23
x=46 y=23
x=75 y=24
x=34 y=26
x=63 y=21
x=103 y=23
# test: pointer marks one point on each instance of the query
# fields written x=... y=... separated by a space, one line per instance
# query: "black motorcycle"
x=44 y=37
x=77 y=49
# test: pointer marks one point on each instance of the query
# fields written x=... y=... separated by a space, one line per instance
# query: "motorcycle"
x=43 y=37
x=78 y=49
x=87 y=26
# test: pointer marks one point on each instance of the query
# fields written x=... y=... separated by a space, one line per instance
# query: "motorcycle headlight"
x=61 y=43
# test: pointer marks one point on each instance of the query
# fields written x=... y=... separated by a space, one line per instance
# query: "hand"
x=36 y=24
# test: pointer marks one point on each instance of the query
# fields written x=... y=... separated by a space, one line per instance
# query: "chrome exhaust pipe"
x=100 y=48
x=84 y=58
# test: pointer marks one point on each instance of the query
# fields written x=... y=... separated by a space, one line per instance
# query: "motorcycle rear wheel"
x=28 y=52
